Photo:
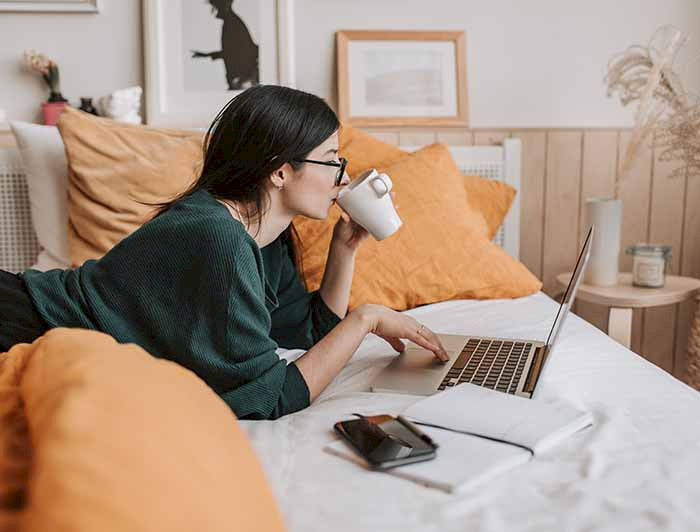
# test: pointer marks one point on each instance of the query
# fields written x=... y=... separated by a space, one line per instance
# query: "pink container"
x=51 y=111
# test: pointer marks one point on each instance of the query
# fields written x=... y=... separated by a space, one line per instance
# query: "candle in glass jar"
x=649 y=264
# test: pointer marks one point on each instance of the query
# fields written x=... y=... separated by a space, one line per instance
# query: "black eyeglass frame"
x=340 y=165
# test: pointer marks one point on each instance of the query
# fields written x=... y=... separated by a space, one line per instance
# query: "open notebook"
x=472 y=424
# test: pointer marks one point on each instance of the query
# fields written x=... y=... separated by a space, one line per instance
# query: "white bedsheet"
x=637 y=469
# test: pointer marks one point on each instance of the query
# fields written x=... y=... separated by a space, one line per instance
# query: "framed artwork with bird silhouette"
x=201 y=53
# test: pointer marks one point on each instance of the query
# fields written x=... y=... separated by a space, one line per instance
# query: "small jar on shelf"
x=649 y=264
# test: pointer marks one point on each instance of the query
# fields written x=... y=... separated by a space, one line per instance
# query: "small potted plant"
x=49 y=71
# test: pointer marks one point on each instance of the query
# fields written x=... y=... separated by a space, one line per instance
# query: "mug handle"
x=381 y=184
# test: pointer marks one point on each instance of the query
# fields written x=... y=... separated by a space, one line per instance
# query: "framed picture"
x=201 y=53
x=402 y=78
x=47 y=6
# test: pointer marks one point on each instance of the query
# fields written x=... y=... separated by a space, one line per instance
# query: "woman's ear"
x=280 y=176
x=277 y=179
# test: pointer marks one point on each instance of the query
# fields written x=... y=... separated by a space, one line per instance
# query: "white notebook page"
x=477 y=410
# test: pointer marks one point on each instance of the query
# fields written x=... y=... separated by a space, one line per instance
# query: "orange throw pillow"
x=441 y=252
x=364 y=151
x=491 y=198
x=120 y=440
x=112 y=166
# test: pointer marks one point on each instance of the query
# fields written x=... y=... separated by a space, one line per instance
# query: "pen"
x=427 y=439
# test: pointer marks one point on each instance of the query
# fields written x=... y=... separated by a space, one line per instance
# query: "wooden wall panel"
x=600 y=155
x=390 y=137
x=665 y=226
x=532 y=219
x=417 y=138
x=489 y=138
x=636 y=198
x=635 y=193
x=456 y=138
x=561 y=204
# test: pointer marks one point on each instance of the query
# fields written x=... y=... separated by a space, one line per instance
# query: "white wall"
x=534 y=63
x=530 y=63
x=96 y=54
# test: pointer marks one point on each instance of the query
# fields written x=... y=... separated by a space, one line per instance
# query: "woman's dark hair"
x=255 y=133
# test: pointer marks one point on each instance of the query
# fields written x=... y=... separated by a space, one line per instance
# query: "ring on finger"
x=420 y=329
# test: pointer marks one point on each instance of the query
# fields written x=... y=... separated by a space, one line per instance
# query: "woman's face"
x=312 y=190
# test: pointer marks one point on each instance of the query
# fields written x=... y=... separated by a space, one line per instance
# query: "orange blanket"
x=96 y=435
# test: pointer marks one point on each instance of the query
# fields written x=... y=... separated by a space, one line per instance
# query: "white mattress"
x=637 y=469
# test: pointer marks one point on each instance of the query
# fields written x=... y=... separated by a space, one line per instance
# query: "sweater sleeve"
x=302 y=318
x=267 y=387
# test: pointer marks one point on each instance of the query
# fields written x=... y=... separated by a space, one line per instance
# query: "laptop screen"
x=570 y=292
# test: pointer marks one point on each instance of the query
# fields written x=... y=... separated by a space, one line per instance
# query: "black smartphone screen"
x=386 y=443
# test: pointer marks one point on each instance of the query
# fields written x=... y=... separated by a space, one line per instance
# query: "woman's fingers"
x=434 y=338
x=400 y=347
x=391 y=325
x=397 y=344
x=434 y=345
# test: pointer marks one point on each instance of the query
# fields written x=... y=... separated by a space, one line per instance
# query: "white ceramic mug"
x=368 y=202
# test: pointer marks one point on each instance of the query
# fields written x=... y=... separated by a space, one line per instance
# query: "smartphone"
x=386 y=441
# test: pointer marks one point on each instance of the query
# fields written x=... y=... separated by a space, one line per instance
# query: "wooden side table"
x=623 y=297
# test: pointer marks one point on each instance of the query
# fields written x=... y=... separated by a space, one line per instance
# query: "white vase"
x=606 y=215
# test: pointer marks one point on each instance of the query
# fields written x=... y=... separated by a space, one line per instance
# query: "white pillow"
x=44 y=157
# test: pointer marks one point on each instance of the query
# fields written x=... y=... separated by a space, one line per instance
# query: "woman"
x=210 y=282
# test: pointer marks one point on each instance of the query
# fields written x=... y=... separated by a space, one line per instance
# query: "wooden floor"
x=563 y=167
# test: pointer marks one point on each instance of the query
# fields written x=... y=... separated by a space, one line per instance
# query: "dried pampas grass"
x=645 y=74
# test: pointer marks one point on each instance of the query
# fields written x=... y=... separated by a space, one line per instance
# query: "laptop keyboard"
x=495 y=364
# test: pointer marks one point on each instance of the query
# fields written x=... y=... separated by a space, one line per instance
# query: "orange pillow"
x=121 y=440
x=112 y=166
x=491 y=198
x=441 y=252
x=364 y=151
x=488 y=200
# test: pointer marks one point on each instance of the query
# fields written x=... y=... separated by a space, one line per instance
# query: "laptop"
x=504 y=364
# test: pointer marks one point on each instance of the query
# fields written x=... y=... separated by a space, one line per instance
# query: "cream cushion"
x=46 y=168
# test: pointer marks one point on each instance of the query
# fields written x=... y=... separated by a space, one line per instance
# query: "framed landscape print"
x=402 y=78
x=199 y=54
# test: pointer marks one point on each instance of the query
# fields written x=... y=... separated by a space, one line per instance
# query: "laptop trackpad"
x=416 y=370
x=414 y=358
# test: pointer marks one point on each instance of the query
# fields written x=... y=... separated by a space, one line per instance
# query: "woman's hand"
x=349 y=234
x=392 y=326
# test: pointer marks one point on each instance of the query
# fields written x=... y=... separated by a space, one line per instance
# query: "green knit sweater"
x=192 y=286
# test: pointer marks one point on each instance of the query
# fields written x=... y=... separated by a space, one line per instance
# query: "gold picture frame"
x=402 y=78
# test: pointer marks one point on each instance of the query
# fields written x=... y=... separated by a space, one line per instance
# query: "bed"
x=636 y=469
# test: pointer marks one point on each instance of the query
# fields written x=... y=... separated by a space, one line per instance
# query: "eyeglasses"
x=340 y=165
